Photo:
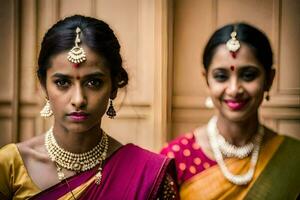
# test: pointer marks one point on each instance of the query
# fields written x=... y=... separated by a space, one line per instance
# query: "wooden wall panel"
x=71 y=7
x=256 y=12
x=28 y=51
x=193 y=22
x=27 y=128
x=7 y=33
x=6 y=131
x=289 y=127
x=9 y=66
x=289 y=71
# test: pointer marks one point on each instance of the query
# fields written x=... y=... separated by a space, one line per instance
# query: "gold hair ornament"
x=76 y=54
x=233 y=44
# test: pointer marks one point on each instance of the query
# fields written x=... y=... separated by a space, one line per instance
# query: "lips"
x=236 y=104
x=78 y=116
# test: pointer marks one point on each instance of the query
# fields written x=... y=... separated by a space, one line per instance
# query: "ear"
x=270 y=80
x=204 y=74
x=113 y=93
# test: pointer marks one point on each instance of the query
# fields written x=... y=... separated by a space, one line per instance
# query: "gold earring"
x=46 y=111
x=209 y=103
x=267 y=97
x=111 y=112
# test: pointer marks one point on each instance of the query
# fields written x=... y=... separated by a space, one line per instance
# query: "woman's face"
x=236 y=83
x=78 y=94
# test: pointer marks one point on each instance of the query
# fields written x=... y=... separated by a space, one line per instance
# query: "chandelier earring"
x=111 y=112
x=46 y=111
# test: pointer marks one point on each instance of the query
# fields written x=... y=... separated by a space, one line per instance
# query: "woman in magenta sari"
x=80 y=70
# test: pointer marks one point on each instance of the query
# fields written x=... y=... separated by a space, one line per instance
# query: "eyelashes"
x=245 y=74
x=93 y=83
x=62 y=83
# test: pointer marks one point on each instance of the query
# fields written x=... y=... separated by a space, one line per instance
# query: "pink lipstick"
x=235 y=105
x=78 y=116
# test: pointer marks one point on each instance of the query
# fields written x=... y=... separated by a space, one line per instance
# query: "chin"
x=238 y=116
x=78 y=127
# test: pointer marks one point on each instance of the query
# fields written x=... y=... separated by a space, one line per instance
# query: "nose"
x=78 y=100
x=234 y=88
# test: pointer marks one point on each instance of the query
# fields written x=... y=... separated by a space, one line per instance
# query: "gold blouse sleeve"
x=14 y=180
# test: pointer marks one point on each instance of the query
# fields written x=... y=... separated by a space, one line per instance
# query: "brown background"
x=162 y=43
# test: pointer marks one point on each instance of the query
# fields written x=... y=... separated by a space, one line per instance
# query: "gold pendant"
x=98 y=178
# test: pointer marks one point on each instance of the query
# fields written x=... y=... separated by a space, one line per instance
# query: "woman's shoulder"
x=8 y=154
x=283 y=138
x=33 y=148
x=10 y=161
x=13 y=155
x=183 y=144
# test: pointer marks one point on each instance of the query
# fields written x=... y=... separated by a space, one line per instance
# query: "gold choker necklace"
x=73 y=161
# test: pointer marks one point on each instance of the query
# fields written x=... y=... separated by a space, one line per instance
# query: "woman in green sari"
x=235 y=156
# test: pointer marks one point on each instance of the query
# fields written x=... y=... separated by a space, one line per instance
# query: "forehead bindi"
x=75 y=65
x=232 y=68
x=234 y=54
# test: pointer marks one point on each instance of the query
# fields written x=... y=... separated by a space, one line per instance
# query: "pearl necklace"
x=243 y=179
x=230 y=150
x=76 y=162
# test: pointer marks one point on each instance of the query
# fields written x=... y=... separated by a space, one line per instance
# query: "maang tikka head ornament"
x=76 y=54
x=233 y=44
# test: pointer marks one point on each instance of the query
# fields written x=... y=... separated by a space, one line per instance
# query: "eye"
x=62 y=83
x=94 y=83
x=220 y=75
x=249 y=74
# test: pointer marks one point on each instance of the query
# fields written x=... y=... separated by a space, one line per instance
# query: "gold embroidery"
x=169 y=191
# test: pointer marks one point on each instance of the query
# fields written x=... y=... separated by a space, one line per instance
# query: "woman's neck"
x=77 y=142
x=238 y=133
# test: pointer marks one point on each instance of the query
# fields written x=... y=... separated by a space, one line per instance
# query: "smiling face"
x=78 y=95
x=237 y=84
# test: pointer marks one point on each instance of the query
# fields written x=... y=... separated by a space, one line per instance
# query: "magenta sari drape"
x=131 y=173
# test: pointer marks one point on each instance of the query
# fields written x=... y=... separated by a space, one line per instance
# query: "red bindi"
x=233 y=54
x=75 y=65
x=232 y=68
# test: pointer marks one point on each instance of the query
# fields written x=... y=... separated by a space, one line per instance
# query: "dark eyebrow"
x=59 y=75
x=248 y=66
x=220 y=69
x=64 y=76
x=95 y=74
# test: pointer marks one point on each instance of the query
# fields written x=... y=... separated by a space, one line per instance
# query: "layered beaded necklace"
x=76 y=162
x=221 y=146
x=230 y=150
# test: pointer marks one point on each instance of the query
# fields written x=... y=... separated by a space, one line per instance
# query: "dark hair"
x=96 y=34
x=247 y=34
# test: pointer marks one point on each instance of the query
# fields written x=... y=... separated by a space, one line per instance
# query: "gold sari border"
x=211 y=184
